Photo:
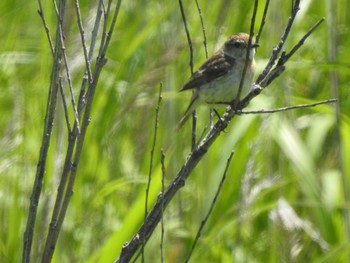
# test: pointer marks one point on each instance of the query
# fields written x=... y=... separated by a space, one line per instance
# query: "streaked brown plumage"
x=217 y=80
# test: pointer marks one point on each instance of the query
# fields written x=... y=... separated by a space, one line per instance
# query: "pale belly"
x=225 y=89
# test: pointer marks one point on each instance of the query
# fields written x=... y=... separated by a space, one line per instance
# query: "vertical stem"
x=194 y=117
x=332 y=57
x=45 y=144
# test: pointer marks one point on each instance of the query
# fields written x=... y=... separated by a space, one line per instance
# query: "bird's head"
x=236 y=46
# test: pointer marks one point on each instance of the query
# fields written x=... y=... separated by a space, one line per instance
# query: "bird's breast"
x=225 y=88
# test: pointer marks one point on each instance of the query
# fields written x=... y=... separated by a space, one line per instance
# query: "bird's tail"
x=193 y=105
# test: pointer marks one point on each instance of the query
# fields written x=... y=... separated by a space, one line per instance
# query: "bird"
x=217 y=80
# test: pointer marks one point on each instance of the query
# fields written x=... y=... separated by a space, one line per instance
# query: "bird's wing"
x=215 y=67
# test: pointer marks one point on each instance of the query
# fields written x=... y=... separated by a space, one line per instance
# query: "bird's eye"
x=237 y=44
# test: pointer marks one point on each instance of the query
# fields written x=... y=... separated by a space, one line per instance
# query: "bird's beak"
x=254 y=45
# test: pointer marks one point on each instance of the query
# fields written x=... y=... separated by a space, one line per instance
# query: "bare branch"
x=300 y=43
x=156 y=125
x=105 y=45
x=270 y=75
x=187 y=35
x=277 y=50
x=257 y=39
x=45 y=144
x=83 y=42
x=65 y=107
x=203 y=29
x=82 y=99
x=194 y=116
x=47 y=30
x=76 y=116
x=71 y=166
x=162 y=161
x=299 y=106
x=251 y=34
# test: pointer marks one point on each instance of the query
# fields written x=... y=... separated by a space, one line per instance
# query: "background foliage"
x=283 y=199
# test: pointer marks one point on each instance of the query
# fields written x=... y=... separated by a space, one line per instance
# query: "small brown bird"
x=217 y=80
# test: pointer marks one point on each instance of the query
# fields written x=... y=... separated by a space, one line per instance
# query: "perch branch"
x=266 y=77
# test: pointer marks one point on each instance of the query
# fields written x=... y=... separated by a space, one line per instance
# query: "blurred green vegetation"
x=283 y=199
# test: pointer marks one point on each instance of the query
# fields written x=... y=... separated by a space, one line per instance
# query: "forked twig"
x=300 y=43
x=75 y=140
x=49 y=119
x=76 y=143
x=69 y=80
x=277 y=50
x=270 y=73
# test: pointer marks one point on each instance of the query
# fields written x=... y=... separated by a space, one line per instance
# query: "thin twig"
x=194 y=116
x=64 y=53
x=194 y=130
x=299 y=106
x=48 y=34
x=53 y=230
x=82 y=95
x=45 y=144
x=277 y=50
x=109 y=34
x=105 y=21
x=203 y=29
x=83 y=41
x=47 y=30
x=187 y=35
x=279 y=67
x=268 y=74
x=251 y=34
x=156 y=125
x=301 y=41
x=95 y=30
x=101 y=60
x=263 y=19
x=204 y=221
x=65 y=107
x=76 y=116
x=162 y=161
x=206 y=56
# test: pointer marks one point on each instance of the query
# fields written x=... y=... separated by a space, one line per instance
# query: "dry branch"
x=271 y=72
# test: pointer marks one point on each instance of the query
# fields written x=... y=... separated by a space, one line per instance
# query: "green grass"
x=293 y=156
